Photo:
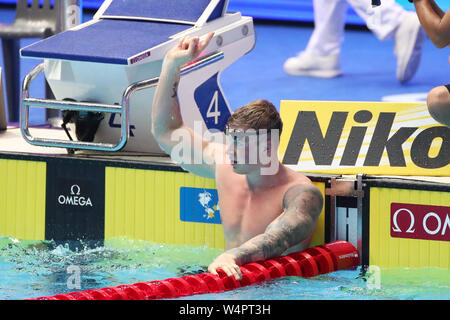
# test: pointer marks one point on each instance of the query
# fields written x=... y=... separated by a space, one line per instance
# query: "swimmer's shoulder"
x=297 y=178
x=297 y=182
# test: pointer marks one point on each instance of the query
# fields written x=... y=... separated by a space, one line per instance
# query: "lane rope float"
x=333 y=256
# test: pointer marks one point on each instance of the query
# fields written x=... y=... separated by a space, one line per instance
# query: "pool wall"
x=64 y=198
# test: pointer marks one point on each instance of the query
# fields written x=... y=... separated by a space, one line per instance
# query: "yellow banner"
x=381 y=138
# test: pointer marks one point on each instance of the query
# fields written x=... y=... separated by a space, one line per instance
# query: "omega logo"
x=73 y=188
x=420 y=221
x=394 y=218
x=74 y=199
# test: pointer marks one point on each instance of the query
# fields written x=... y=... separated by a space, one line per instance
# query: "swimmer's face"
x=243 y=149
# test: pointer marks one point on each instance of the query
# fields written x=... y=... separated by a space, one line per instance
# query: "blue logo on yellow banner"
x=199 y=205
x=212 y=104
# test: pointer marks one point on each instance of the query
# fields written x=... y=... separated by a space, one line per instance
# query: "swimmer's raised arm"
x=302 y=205
x=435 y=22
x=167 y=122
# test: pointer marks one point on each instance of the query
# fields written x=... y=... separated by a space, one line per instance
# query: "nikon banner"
x=363 y=137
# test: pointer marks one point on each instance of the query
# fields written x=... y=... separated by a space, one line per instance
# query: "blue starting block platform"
x=123 y=32
x=178 y=11
x=100 y=66
x=105 y=41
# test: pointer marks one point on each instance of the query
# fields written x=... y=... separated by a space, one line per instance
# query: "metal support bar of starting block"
x=123 y=110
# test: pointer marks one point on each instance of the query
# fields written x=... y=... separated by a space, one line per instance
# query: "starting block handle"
x=123 y=110
x=27 y=102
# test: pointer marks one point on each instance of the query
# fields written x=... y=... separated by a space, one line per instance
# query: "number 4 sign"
x=213 y=110
x=212 y=104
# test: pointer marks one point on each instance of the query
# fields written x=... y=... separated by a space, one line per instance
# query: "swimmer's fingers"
x=178 y=53
x=192 y=47
x=187 y=42
x=231 y=270
x=180 y=43
x=188 y=48
x=195 y=46
x=202 y=45
x=234 y=271
x=226 y=262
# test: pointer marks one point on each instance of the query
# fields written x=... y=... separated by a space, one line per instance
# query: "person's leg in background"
x=321 y=58
x=391 y=21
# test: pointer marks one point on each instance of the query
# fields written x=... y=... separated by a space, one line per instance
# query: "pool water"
x=31 y=269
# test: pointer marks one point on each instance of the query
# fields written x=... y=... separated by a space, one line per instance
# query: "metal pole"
x=2 y=105
x=70 y=14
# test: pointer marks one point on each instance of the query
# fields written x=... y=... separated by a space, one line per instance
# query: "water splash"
x=31 y=269
x=42 y=265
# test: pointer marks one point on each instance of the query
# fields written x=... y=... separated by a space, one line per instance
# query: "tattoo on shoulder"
x=306 y=197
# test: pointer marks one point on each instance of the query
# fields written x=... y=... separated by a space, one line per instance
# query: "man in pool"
x=264 y=212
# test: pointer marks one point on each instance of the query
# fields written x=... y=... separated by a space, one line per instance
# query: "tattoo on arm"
x=302 y=206
x=175 y=89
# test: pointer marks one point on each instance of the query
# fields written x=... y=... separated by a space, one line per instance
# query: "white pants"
x=329 y=22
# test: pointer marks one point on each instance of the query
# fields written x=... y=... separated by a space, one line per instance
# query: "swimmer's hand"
x=227 y=263
x=187 y=50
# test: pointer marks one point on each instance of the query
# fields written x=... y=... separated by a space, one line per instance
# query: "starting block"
x=110 y=66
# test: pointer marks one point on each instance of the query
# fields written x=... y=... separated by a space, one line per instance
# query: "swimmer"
x=264 y=214
x=436 y=24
